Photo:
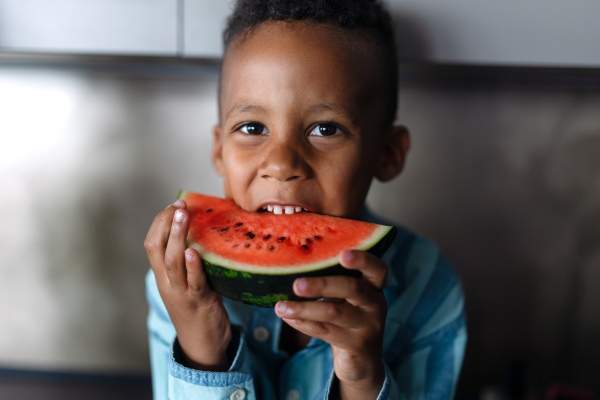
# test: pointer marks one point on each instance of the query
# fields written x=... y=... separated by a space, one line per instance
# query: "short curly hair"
x=368 y=16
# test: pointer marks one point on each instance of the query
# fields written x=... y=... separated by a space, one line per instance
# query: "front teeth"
x=275 y=209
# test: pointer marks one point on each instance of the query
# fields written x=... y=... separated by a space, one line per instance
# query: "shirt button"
x=292 y=394
x=261 y=334
x=239 y=394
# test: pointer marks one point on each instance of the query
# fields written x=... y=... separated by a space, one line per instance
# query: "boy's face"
x=302 y=121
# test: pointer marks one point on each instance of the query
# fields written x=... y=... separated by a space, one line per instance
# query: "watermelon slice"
x=254 y=257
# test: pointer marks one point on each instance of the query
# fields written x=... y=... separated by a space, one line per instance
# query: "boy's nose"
x=284 y=162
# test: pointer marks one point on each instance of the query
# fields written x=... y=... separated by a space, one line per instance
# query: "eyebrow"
x=315 y=108
x=244 y=108
x=350 y=114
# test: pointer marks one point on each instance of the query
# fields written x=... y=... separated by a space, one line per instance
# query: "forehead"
x=304 y=61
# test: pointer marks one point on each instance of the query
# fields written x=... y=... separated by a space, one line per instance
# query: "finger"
x=174 y=253
x=168 y=215
x=158 y=233
x=336 y=313
x=354 y=290
x=164 y=218
x=196 y=278
x=334 y=335
x=158 y=236
x=177 y=204
x=374 y=270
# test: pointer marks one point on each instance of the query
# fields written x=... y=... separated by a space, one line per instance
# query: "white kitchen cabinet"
x=118 y=27
x=551 y=33
x=554 y=33
x=203 y=24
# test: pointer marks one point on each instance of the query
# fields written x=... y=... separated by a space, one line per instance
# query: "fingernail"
x=301 y=284
x=179 y=216
x=178 y=203
x=189 y=256
x=281 y=307
x=346 y=256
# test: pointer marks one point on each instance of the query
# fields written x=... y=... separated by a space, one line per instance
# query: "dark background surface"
x=503 y=174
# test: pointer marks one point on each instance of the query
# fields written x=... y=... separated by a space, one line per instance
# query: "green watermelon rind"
x=265 y=290
x=262 y=290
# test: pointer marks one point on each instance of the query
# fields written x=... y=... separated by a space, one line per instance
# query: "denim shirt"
x=424 y=340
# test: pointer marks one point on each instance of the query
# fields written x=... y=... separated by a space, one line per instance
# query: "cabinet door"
x=133 y=27
x=499 y=32
x=203 y=24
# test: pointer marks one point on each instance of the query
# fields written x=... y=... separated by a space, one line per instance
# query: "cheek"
x=357 y=165
x=230 y=170
x=346 y=182
x=238 y=172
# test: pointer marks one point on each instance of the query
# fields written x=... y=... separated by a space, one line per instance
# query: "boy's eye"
x=253 y=128
x=325 y=130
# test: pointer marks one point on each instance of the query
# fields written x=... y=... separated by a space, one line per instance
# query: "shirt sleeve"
x=172 y=380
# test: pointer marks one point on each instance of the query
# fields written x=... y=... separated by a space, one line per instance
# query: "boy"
x=307 y=101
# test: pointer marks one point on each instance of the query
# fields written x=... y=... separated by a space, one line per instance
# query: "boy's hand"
x=197 y=312
x=351 y=318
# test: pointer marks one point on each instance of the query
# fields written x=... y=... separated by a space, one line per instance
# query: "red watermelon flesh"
x=260 y=244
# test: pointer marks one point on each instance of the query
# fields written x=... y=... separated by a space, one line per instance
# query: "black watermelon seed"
x=239 y=224
x=305 y=247
x=251 y=235
x=248 y=245
x=281 y=239
x=224 y=229
x=267 y=237
x=271 y=248
x=209 y=210
x=318 y=237
x=308 y=240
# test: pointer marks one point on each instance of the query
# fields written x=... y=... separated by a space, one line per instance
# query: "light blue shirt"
x=423 y=349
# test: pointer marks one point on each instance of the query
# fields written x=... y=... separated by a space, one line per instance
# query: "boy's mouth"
x=282 y=209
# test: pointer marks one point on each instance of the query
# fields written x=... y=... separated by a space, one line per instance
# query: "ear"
x=217 y=151
x=395 y=149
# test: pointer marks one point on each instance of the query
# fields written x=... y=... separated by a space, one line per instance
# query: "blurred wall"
x=505 y=176
x=89 y=154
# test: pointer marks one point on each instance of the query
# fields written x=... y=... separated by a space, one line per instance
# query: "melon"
x=254 y=257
